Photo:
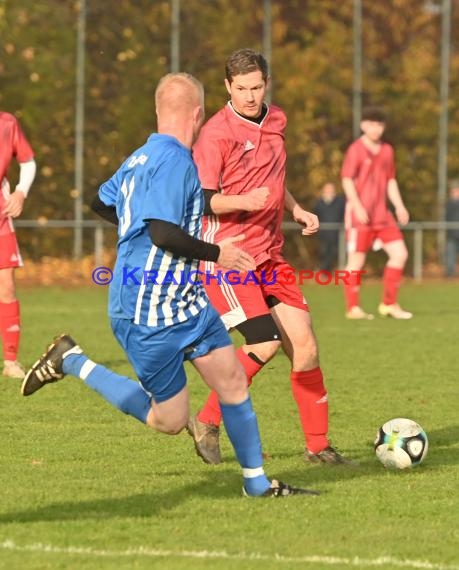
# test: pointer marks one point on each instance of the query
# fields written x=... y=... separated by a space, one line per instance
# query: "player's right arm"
x=24 y=154
x=104 y=202
x=353 y=199
x=218 y=204
x=349 y=170
x=106 y=212
x=14 y=203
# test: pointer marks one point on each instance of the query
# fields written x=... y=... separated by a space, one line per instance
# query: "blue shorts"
x=158 y=355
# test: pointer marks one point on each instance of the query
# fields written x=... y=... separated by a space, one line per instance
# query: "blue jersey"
x=150 y=286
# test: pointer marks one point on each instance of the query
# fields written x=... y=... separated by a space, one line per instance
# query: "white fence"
x=417 y=251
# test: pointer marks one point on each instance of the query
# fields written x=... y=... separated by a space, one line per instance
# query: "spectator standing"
x=329 y=208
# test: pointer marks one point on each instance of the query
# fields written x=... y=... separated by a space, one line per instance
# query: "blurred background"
x=80 y=76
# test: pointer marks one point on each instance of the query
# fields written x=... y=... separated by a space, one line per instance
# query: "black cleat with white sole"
x=48 y=368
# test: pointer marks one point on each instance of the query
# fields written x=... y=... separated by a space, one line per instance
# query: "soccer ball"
x=401 y=443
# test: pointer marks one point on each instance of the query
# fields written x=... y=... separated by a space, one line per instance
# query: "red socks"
x=392 y=278
x=352 y=291
x=210 y=413
x=311 y=397
x=10 y=329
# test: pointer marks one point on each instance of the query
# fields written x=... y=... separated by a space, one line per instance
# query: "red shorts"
x=9 y=251
x=361 y=239
x=239 y=297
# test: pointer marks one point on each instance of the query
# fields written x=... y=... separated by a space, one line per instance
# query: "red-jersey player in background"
x=12 y=144
x=241 y=158
x=368 y=177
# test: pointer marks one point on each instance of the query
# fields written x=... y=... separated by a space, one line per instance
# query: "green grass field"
x=83 y=486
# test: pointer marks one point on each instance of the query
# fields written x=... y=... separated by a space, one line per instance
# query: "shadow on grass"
x=311 y=475
x=219 y=483
x=148 y=505
x=444 y=436
x=440 y=440
x=366 y=465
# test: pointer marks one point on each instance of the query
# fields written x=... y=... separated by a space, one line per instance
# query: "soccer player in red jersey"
x=241 y=158
x=13 y=144
x=368 y=178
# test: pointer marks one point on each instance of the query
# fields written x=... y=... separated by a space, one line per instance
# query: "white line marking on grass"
x=203 y=554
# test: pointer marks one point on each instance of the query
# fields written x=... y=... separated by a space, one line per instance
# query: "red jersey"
x=235 y=155
x=371 y=173
x=12 y=144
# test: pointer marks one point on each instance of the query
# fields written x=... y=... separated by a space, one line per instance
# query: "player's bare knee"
x=169 y=426
x=306 y=354
x=237 y=382
x=9 y=298
x=397 y=253
x=402 y=256
x=233 y=387
x=313 y=349
x=397 y=261
x=174 y=429
x=233 y=397
x=264 y=351
x=7 y=287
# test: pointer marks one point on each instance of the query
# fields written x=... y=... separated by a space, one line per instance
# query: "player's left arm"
x=307 y=219
x=15 y=202
x=393 y=193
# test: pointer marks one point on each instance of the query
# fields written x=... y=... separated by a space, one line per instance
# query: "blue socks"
x=129 y=397
x=122 y=392
x=242 y=429
x=73 y=363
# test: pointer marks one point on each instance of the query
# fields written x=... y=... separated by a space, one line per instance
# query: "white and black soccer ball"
x=401 y=443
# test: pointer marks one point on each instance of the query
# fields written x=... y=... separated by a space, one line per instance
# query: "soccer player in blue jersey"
x=159 y=311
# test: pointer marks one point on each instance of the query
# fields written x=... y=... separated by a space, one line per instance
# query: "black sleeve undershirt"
x=207 y=198
x=104 y=211
x=166 y=235
x=172 y=238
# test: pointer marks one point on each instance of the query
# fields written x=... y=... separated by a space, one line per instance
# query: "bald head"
x=179 y=99
x=177 y=92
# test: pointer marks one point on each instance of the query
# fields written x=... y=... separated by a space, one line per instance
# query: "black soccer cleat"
x=329 y=455
x=279 y=489
x=48 y=368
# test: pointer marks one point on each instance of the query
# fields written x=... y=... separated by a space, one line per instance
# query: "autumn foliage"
x=128 y=49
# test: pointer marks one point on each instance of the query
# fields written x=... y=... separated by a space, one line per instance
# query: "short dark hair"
x=373 y=114
x=245 y=61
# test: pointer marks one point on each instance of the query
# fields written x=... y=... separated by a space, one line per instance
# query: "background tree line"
x=128 y=50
